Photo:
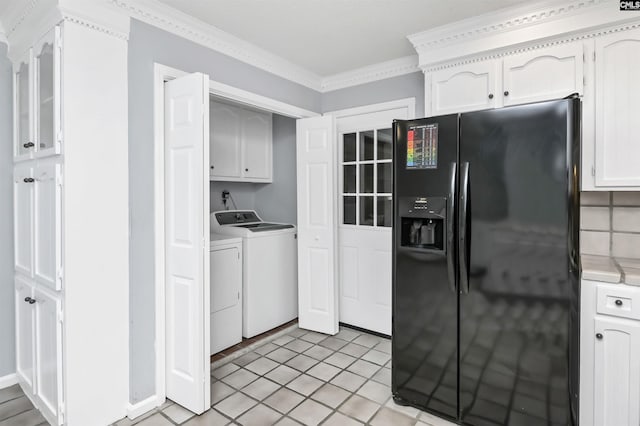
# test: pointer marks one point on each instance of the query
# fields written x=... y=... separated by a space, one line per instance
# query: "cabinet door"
x=48 y=333
x=224 y=154
x=464 y=88
x=617 y=373
x=23 y=183
x=46 y=55
x=24 y=145
x=226 y=279
x=617 y=106
x=543 y=74
x=257 y=145
x=24 y=333
x=47 y=225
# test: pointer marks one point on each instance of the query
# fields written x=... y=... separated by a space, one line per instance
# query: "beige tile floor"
x=295 y=378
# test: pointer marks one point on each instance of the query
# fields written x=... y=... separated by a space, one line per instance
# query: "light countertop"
x=610 y=269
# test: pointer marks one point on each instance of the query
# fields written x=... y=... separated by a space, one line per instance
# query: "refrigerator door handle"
x=463 y=246
x=451 y=263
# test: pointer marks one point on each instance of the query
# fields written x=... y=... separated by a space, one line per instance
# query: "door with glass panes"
x=364 y=234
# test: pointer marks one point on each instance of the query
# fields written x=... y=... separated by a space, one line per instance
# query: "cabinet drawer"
x=618 y=301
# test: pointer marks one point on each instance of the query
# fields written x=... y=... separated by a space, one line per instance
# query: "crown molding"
x=515 y=27
x=380 y=71
x=169 y=19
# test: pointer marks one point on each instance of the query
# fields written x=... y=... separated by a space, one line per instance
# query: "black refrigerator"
x=486 y=264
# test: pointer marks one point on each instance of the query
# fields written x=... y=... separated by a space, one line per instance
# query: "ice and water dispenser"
x=423 y=223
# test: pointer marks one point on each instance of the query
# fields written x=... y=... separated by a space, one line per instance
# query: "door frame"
x=161 y=74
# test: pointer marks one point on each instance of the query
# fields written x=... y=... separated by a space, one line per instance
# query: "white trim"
x=164 y=73
x=370 y=73
x=139 y=408
x=409 y=103
x=515 y=29
x=172 y=20
x=8 y=380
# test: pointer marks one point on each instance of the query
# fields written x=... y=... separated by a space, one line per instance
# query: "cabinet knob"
x=618 y=302
x=506 y=93
x=599 y=336
x=212 y=167
x=246 y=170
x=27 y=299
x=490 y=95
x=32 y=301
x=29 y=145
x=28 y=180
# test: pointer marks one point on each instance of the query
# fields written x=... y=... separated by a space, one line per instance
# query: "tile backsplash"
x=610 y=223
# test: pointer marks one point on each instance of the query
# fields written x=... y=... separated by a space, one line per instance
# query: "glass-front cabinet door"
x=23 y=134
x=47 y=93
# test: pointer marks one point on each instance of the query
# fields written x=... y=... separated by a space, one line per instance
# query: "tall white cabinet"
x=71 y=223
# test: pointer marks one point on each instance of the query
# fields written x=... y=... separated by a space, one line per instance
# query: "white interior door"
x=187 y=235
x=316 y=164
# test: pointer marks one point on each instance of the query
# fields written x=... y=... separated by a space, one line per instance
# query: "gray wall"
x=7 y=323
x=146 y=46
x=277 y=201
x=404 y=86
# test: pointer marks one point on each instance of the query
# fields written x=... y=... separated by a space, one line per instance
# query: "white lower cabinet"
x=610 y=361
x=39 y=348
x=226 y=296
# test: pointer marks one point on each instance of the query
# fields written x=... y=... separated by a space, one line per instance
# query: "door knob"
x=618 y=302
x=599 y=336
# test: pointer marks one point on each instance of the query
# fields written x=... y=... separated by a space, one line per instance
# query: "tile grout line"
x=309 y=397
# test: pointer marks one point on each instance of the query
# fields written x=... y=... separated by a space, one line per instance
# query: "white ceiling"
x=328 y=37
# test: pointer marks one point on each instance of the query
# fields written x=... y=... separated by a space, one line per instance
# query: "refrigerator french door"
x=485 y=264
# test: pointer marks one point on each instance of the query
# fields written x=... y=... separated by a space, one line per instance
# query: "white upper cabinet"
x=225 y=154
x=256 y=136
x=537 y=75
x=543 y=74
x=37 y=100
x=46 y=64
x=241 y=144
x=464 y=88
x=617 y=110
x=24 y=147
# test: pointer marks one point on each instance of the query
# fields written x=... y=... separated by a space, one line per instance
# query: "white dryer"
x=225 y=257
x=269 y=268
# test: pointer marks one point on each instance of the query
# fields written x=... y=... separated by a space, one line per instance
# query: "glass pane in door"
x=385 y=144
x=366 y=145
x=349 y=147
x=366 y=178
x=22 y=109
x=349 y=177
x=45 y=97
x=366 y=211
x=385 y=212
x=385 y=183
x=349 y=210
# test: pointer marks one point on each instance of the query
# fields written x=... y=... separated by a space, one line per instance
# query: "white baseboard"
x=8 y=380
x=142 y=407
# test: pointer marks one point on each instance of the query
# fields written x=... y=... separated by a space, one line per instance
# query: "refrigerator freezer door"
x=425 y=301
x=515 y=319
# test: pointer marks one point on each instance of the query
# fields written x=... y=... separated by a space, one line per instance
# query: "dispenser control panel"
x=423 y=223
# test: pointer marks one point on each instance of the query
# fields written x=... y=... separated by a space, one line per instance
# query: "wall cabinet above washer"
x=241 y=144
x=536 y=75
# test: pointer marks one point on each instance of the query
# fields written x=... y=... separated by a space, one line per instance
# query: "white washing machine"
x=225 y=257
x=269 y=268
